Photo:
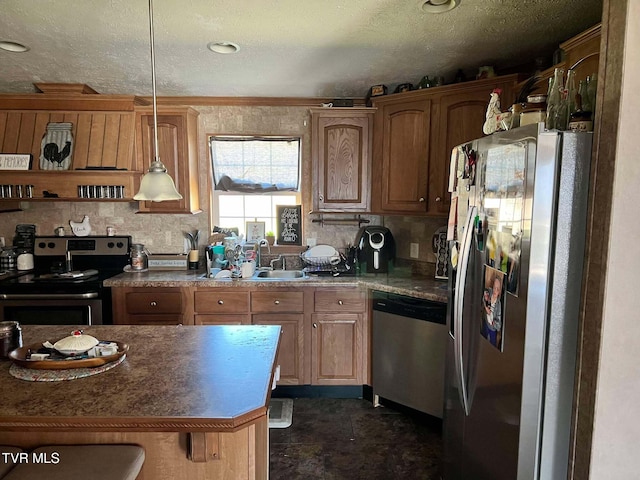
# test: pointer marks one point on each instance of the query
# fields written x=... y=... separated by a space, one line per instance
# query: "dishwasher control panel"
x=411 y=307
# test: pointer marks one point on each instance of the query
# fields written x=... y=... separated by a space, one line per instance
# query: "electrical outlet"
x=311 y=242
x=415 y=250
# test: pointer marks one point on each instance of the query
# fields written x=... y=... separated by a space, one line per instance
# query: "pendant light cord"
x=156 y=156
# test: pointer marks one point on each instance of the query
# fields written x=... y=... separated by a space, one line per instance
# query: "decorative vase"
x=271 y=239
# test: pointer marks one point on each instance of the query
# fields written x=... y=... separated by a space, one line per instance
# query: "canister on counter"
x=139 y=258
x=10 y=337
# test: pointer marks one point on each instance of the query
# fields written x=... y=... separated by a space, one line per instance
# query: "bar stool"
x=10 y=459
x=95 y=462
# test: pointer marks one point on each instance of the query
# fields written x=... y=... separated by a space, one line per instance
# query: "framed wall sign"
x=15 y=161
x=255 y=231
x=289 y=223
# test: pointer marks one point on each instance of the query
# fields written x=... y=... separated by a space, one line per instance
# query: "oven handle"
x=48 y=296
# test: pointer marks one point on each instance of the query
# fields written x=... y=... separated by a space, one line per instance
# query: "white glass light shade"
x=157 y=185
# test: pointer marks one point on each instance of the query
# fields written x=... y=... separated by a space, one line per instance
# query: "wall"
x=163 y=233
x=616 y=426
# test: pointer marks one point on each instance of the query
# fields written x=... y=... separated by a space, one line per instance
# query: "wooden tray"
x=19 y=357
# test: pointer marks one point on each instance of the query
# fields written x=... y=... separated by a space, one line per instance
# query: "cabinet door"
x=177 y=150
x=458 y=117
x=405 y=156
x=291 y=350
x=337 y=355
x=341 y=156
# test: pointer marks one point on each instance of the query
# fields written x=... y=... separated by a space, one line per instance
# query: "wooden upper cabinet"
x=458 y=115
x=402 y=128
x=414 y=135
x=341 y=149
x=583 y=53
x=177 y=150
x=102 y=127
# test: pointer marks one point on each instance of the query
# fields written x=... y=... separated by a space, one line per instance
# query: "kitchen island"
x=195 y=398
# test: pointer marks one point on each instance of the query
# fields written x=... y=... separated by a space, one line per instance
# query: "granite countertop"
x=401 y=282
x=213 y=378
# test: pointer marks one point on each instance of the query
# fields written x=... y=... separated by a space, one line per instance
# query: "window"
x=252 y=175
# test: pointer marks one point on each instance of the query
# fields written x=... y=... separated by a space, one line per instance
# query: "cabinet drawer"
x=154 y=303
x=340 y=301
x=221 y=301
x=277 y=301
x=152 y=320
x=215 y=319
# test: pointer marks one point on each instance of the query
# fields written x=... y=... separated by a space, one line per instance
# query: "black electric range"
x=66 y=284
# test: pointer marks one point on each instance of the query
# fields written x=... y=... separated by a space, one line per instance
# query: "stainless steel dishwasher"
x=408 y=351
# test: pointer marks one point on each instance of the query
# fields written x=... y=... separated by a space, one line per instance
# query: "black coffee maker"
x=376 y=249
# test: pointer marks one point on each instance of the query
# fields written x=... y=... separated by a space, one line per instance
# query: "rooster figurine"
x=495 y=119
x=81 y=229
x=493 y=111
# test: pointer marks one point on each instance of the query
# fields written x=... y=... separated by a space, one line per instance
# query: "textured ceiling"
x=288 y=48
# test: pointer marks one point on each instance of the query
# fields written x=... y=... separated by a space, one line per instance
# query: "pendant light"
x=156 y=185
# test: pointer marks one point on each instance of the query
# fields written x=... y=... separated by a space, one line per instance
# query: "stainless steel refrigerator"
x=517 y=226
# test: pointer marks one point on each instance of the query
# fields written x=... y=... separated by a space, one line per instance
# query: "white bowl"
x=75 y=344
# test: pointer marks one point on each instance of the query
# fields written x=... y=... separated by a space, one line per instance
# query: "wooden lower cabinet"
x=338 y=337
x=291 y=351
x=325 y=332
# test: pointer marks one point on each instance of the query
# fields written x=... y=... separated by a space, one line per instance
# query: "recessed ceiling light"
x=223 y=47
x=13 y=46
x=439 y=6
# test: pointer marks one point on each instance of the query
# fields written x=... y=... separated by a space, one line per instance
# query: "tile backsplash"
x=162 y=233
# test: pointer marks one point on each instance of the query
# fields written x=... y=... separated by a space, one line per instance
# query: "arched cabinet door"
x=402 y=153
x=178 y=151
x=458 y=116
x=341 y=148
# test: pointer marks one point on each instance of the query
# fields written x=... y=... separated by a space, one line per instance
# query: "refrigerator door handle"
x=461 y=278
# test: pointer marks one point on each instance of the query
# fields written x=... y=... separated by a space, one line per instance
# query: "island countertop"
x=201 y=378
x=401 y=282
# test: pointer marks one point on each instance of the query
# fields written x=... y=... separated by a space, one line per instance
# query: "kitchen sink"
x=280 y=274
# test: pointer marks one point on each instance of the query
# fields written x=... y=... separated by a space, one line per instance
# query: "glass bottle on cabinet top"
x=571 y=95
x=555 y=102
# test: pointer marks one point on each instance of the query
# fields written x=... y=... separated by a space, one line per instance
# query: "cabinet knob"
x=154 y=304
x=421 y=200
x=321 y=197
x=315 y=325
x=339 y=302
x=220 y=302
x=438 y=199
x=277 y=302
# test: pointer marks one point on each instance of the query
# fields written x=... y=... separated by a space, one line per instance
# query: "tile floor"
x=335 y=439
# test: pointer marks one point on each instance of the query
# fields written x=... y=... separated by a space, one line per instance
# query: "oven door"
x=52 y=309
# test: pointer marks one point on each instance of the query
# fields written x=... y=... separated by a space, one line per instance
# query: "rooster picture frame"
x=57 y=147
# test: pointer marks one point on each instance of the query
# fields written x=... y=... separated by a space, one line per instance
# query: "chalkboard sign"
x=289 y=224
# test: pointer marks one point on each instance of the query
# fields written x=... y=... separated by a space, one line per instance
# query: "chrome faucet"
x=279 y=258
x=259 y=245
